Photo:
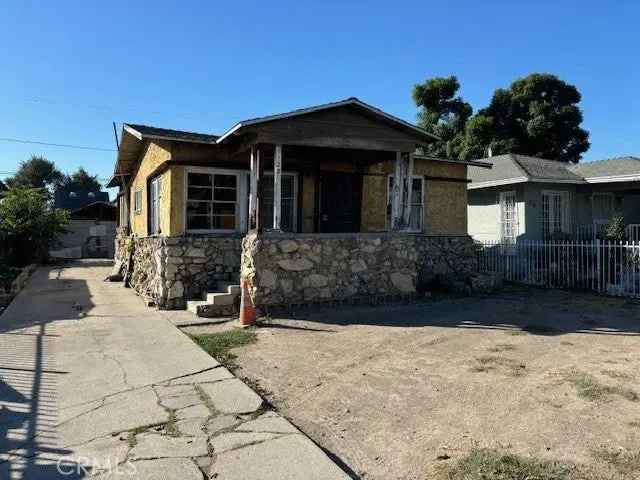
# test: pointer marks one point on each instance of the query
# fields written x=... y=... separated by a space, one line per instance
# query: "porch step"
x=221 y=298
x=217 y=304
x=201 y=308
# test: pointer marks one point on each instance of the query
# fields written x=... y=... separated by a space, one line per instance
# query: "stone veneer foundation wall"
x=281 y=269
x=168 y=271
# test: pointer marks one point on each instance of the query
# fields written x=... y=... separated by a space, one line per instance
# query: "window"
x=137 y=202
x=602 y=206
x=417 y=203
x=288 y=192
x=508 y=217
x=212 y=201
x=155 y=196
x=555 y=213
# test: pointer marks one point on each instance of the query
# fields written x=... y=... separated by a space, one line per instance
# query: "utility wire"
x=62 y=145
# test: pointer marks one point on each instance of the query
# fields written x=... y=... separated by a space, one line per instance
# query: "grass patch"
x=502 y=347
x=517 y=333
x=491 y=362
x=170 y=427
x=624 y=461
x=590 y=389
x=484 y=464
x=219 y=344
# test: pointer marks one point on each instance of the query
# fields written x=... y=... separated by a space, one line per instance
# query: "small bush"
x=485 y=464
x=615 y=230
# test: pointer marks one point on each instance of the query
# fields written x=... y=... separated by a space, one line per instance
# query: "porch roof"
x=351 y=101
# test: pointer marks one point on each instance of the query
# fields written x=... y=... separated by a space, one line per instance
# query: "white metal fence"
x=611 y=268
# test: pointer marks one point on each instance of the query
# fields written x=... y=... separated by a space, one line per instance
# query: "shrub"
x=29 y=224
x=615 y=230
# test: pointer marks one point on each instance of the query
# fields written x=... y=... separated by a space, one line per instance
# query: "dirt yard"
x=404 y=392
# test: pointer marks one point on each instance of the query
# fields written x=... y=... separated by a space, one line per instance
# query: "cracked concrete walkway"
x=93 y=383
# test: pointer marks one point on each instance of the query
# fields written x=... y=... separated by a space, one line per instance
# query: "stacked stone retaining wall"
x=168 y=271
x=282 y=269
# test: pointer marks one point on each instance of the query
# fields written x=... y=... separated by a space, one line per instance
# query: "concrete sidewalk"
x=92 y=382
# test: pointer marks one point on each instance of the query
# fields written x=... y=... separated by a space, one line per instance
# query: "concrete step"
x=202 y=308
x=221 y=298
x=232 y=288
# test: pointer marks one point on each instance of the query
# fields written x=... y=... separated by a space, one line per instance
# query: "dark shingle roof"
x=610 y=167
x=75 y=200
x=522 y=167
x=512 y=168
x=155 y=132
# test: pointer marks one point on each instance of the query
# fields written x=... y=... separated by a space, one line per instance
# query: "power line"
x=62 y=145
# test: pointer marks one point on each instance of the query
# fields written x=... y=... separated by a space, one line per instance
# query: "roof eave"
x=304 y=111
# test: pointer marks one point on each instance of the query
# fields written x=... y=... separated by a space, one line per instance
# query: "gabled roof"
x=352 y=101
x=610 y=167
x=512 y=168
x=155 y=133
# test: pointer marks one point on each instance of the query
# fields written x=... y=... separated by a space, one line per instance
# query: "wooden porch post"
x=409 y=187
x=253 y=187
x=398 y=194
x=277 y=198
x=258 y=173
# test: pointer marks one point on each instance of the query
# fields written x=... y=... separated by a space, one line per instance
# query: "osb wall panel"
x=446 y=202
x=446 y=208
x=155 y=155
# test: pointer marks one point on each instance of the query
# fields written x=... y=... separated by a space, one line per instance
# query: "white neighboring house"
x=530 y=198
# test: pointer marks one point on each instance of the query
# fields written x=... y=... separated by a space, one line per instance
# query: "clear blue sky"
x=71 y=68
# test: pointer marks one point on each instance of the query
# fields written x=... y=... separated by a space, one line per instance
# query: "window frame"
x=565 y=221
x=269 y=174
x=515 y=223
x=137 y=201
x=422 y=204
x=155 y=186
x=241 y=193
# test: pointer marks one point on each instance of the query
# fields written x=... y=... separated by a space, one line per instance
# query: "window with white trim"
x=416 y=221
x=212 y=201
x=555 y=213
x=137 y=202
x=508 y=217
x=155 y=197
x=288 y=193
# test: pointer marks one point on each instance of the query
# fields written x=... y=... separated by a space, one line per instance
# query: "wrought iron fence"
x=607 y=267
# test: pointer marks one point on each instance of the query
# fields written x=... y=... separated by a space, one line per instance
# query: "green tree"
x=537 y=115
x=81 y=180
x=442 y=113
x=37 y=172
x=29 y=224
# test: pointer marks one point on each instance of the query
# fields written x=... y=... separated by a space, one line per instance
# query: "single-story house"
x=92 y=225
x=324 y=203
x=529 y=198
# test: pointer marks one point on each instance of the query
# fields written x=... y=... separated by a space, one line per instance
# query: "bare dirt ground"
x=400 y=392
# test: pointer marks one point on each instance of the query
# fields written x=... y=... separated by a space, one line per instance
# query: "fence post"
x=598 y=262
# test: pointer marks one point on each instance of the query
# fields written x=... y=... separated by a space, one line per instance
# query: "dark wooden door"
x=340 y=201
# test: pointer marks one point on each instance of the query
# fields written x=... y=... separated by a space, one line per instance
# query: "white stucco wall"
x=483 y=212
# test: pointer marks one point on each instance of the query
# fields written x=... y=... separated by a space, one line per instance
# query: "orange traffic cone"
x=247 y=308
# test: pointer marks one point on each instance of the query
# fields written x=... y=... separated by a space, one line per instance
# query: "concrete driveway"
x=92 y=382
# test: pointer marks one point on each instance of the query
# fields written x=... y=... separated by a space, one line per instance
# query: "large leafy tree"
x=442 y=113
x=37 y=172
x=29 y=224
x=537 y=115
x=81 y=180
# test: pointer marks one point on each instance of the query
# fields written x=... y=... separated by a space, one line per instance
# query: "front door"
x=340 y=199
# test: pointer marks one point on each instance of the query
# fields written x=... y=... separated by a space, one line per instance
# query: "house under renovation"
x=323 y=204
